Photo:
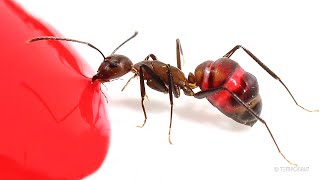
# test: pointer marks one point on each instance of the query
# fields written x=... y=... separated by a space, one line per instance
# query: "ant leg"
x=143 y=95
x=206 y=93
x=152 y=56
x=233 y=50
x=160 y=84
x=179 y=53
x=191 y=78
x=135 y=75
x=103 y=92
x=171 y=86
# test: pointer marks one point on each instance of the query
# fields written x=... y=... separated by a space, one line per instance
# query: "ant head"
x=113 y=66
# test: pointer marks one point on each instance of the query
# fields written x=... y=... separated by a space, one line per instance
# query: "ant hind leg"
x=268 y=70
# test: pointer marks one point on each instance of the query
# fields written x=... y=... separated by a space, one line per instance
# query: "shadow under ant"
x=200 y=114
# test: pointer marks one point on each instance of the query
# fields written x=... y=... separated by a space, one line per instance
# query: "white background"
x=207 y=145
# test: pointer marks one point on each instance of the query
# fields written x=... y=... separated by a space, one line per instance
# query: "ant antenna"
x=134 y=35
x=64 y=39
x=52 y=38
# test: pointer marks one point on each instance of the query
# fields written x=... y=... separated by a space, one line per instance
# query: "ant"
x=223 y=82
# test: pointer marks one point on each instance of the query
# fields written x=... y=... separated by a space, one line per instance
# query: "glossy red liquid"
x=53 y=121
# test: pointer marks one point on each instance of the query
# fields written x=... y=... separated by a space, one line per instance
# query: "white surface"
x=207 y=145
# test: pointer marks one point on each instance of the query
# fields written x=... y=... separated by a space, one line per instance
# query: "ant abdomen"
x=228 y=74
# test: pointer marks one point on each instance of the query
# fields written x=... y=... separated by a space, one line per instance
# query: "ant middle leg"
x=268 y=70
x=172 y=90
x=156 y=83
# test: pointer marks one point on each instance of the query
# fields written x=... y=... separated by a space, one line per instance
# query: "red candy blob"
x=53 y=121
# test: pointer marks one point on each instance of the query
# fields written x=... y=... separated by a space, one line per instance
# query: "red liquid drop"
x=53 y=121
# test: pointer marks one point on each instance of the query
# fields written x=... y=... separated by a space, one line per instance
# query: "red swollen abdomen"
x=227 y=73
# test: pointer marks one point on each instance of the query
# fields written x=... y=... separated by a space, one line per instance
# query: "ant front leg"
x=135 y=75
x=271 y=73
x=206 y=93
x=103 y=92
x=158 y=82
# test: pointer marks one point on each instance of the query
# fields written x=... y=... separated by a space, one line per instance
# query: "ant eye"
x=114 y=64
